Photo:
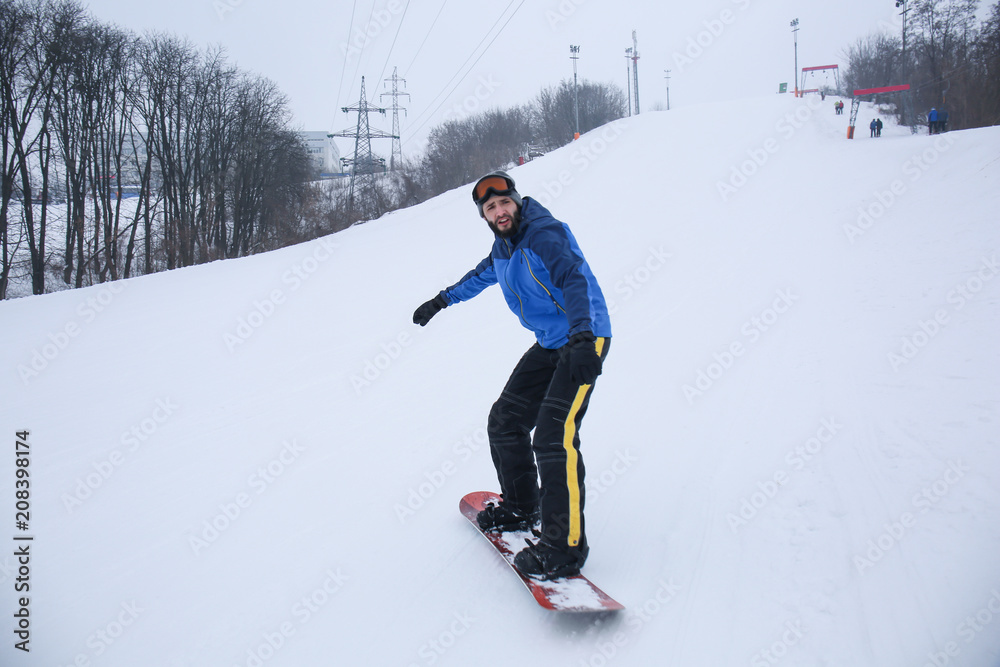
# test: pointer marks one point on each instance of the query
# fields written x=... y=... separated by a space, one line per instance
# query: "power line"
x=429 y=31
x=364 y=43
x=447 y=92
x=394 y=38
x=343 y=69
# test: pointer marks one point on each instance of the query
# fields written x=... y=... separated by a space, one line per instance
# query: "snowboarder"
x=548 y=284
x=878 y=127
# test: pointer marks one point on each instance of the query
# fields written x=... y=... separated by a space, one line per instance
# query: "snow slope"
x=792 y=454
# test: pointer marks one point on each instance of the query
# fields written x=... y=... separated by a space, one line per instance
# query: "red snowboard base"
x=572 y=594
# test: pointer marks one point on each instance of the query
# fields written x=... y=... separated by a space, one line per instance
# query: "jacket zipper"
x=510 y=257
x=541 y=284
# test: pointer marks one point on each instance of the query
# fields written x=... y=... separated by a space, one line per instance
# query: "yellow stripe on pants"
x=572 y=480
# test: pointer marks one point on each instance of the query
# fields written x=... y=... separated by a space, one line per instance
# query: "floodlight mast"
x=795 y=33
x=574 y=56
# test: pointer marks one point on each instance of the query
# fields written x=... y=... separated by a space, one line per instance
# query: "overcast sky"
x=459 y=57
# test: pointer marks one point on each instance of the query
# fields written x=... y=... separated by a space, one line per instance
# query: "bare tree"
x=554 y=111
x=26 y=85
x=460 y=151
x=872 y=61
x=986 y=72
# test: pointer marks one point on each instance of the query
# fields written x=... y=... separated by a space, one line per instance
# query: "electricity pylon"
x=362 y=193
x=397 y=148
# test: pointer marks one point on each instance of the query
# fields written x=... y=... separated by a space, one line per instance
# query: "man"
x=548 y=284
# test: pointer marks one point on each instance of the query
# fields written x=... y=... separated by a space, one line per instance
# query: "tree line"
x=92 y=115
x=124 y=155
x=949 y=60
x=460 y=150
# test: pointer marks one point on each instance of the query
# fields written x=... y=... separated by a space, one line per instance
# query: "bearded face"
x=502 y=216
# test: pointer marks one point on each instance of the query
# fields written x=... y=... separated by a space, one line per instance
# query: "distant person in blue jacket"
x=549 y=286
x=873 y=125
x=932 y=121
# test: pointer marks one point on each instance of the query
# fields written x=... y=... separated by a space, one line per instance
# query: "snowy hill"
x=792 y=454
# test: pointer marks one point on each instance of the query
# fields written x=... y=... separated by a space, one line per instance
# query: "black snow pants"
x=540 y=395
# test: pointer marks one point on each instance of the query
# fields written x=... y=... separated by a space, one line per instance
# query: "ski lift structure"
x=810 y=72
x=867 y=92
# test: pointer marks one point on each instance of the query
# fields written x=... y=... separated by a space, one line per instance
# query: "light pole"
x=905 y=68
x=795 y=32
x=667 y=72
x=574 y=51
x=628 y=77
x=635 y=69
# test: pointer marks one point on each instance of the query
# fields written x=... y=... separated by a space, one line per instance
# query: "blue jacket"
x=544 y=278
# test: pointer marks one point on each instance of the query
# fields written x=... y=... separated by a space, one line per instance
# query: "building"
x=323 y=151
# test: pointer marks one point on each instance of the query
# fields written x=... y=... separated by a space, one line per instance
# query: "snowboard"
x=566 y=594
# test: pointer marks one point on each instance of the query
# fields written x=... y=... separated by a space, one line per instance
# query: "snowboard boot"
x=546 y=561
x=502 y=517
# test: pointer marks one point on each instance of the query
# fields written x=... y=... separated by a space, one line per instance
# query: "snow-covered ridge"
x=792 y=454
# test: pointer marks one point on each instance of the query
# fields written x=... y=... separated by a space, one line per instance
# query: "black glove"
x=584 y=362
x=425 y=312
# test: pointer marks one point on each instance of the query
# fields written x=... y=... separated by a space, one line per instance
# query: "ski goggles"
x=498 y=184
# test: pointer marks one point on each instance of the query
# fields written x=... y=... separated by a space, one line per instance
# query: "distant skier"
x=932 y=121
x=548 y=284
x=878 y=127
x=873 y=126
